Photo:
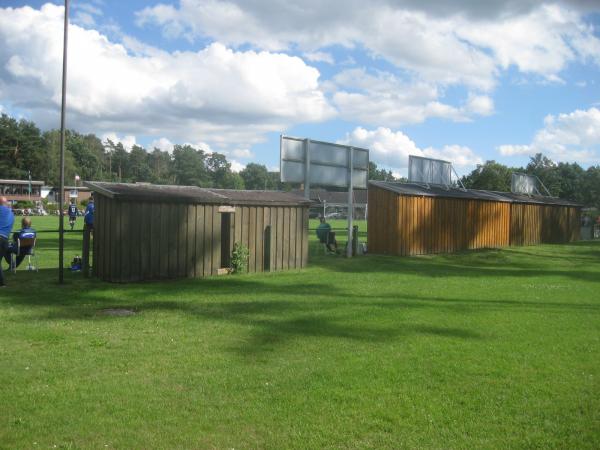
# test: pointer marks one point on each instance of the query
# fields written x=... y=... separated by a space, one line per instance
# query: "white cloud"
x=242 y=153
x=162 y=144
x=384 y=99
x=128 y=141
x=443 y=42
x=513 y=150
x=237 y=166
x=320 y=57
x=573 y=136
x=459 y=155
x=391 y=149
x=479 y=104
x=85 y=13
x=229 y=98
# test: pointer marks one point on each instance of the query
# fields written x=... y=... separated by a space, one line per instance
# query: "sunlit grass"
x=486 y=349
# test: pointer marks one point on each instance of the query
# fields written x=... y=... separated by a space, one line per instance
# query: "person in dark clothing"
x=72 y=214
x=7 y=219
x=326 y=236
x=25 y=233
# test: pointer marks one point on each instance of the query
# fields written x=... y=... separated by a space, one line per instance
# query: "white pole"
x=350 y=202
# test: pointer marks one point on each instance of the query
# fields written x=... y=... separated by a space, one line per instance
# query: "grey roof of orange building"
x=193 y=194
x=419 y=190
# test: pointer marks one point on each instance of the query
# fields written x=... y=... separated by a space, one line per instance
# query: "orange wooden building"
x=412 y=219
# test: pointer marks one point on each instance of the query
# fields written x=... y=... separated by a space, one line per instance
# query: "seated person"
x=326 y=236
x=26 y=232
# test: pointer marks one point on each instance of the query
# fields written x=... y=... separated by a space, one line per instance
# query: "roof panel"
x=193 y=194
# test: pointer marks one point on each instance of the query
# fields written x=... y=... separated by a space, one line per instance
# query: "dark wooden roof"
x=193 y=194
x=419 y=190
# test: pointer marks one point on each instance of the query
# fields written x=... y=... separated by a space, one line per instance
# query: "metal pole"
x=350 y=202
x=61 y=225
x=307 y=169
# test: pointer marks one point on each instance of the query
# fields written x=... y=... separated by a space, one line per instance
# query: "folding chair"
x=28 y=244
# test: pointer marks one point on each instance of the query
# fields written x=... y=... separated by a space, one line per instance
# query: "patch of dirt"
x=120 y=312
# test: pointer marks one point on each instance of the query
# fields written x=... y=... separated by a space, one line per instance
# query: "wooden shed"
x=413 y=219
x=144 y=231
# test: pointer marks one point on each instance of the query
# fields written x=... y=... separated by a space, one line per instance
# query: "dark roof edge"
x=220 y=193
x=101 y=190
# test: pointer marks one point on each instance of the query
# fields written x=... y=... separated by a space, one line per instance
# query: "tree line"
x=25 y=149
x=565 y=180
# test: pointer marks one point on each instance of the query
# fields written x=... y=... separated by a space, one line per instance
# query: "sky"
x=461 y=80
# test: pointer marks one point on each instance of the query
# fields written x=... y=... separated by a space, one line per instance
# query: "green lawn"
x=488 y=349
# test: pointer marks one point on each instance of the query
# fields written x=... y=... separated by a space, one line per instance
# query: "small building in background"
x=77 y=193
x=19 y=190
x=334 y=204
x=413 y=219
x=145 y=232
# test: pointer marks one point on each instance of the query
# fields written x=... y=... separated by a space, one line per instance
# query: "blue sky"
x=464 y=81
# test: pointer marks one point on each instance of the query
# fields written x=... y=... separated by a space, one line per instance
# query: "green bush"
x=239 y=258
x=23 y=204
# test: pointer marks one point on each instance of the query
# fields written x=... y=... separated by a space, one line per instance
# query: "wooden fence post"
x=85 y=252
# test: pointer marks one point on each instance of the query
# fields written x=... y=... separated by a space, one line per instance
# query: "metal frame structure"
x=308 y=163
x=427 y=184
x=535 y=186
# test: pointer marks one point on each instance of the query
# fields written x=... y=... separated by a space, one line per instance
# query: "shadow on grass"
x=275 y=314
x=509 y=262
x=277 y=311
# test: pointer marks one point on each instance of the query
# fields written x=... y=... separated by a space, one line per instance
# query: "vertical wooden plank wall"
x=410 y=225
x=535 y=224
x=289 y=235
x=142 y=240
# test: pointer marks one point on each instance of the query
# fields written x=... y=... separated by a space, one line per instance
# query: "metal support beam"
x=61 y=225
x=350 y=201
x=307 y=169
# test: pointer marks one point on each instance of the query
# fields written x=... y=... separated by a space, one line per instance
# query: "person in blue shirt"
x=88 y=218
x=26 y=232
x=72 y=213
x=7 y=219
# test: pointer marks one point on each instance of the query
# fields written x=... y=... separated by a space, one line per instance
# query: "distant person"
x=326 y=236
x=26 y=232
x=88 y=218
x=7 y=219
x=72 y=214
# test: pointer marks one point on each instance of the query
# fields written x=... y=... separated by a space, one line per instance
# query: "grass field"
x=488 y=349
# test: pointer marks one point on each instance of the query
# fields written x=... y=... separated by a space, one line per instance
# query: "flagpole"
x=61 y=199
